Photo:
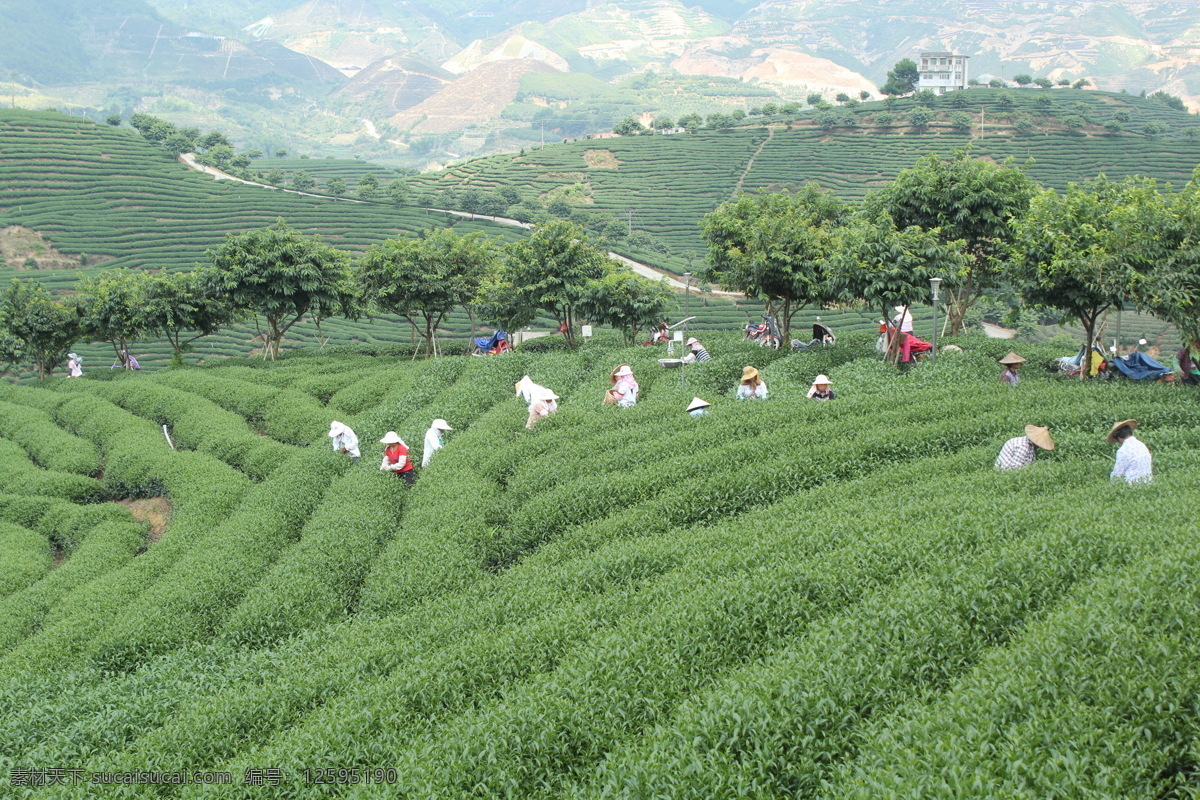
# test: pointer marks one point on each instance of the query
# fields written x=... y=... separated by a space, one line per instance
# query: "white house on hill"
x=942 y=72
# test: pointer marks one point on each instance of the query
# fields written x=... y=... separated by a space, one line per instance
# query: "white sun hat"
x=391 y=437
x=441 y=425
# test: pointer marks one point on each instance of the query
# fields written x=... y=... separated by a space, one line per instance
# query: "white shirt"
x=346 y=440
x=1133 y=462
x=626 y=392
x=1017 y=453
x=433 y=441
x=745 y=392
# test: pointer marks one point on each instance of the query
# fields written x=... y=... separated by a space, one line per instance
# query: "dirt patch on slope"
x=601 y=159
x=154 y=511
x=23 y=248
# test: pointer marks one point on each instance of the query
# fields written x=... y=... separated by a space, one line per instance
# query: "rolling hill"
x=668 y=183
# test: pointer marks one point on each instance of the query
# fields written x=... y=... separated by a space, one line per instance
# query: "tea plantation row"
x=782 y=598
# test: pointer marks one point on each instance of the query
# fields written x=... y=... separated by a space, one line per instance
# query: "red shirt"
x=393 y=452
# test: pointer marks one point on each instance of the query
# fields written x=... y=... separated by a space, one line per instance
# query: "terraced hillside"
x=108 y=198
x=784 y=598
x=669 y=182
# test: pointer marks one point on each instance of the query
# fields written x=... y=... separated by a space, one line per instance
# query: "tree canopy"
x=425 y=279
x=963 y=198
x=282 y=275
x=775 y=247
x=902 y=78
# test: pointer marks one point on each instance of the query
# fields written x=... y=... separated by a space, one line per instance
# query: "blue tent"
x=1140 y=366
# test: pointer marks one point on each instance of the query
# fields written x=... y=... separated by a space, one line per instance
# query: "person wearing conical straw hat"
x=624 y=391
x=1021 y=451
x=1133 y=457
x=395 y=457
x=75 y=364
x=698 y=407
x=752 y=386
x=820 y=388
x=1011 y=363
x=344 y=440
x=903 y=319
x=433 y=440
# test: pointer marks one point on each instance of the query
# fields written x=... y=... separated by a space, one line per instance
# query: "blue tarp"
x=1140 y=366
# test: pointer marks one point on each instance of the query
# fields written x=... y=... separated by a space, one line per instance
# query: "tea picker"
x=433 y=440
x=752 y=386
x=395 y=457
x=1012 y=362
x=542 y=402
x=1021 y=451
x=344 y=440
x=1133 y=457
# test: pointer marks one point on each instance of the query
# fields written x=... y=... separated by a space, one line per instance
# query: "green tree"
x=1082 y=83
x=177 y=144
x=814 y=98
x=1044 y=83
x=960 y=120
x=1023 y=79
x=1043 y=101
x=963 y=198
x=113 y=305
x=302 y=180
x=550 y=271
x=275 y=177
x=1064 y=82
x=1074 y=123
x=425 y=279
x=397 y=191
x=368 y=186
x=920 y=117
x=1155 y=128
x=114 y=120
x=215 y=139
x=1072 y=252
x=628 y=127
x=626 y=301
x=1168 y=100
x=335 y=187
x=775 y=247
x=864 y=95
x=663 y=123
x=1169 y=243
x=902 y=78
x=183 y=307
x=882 y=266
x=278 y=273
x=35 y=328
x=841 y=97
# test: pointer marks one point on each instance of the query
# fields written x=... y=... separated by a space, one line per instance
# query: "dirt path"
x=737 y=187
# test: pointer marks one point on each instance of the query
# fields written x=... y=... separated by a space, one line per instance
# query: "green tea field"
x=665 y=184
x=784 y=598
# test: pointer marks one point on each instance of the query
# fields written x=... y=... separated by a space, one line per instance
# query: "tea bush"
x=781 y=598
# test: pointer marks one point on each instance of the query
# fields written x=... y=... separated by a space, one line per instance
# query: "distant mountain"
x=67 y=41
x=323 y=71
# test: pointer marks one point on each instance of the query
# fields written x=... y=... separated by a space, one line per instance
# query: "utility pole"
x=629 y=214
x=543 y=134
x=981 y=113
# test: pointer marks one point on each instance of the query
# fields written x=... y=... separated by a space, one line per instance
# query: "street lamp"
x=935 y=284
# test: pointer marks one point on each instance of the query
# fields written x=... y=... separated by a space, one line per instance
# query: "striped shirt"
x=1017 y=453
x=701 y=354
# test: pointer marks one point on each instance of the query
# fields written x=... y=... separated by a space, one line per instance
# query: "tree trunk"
x=961 y=303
